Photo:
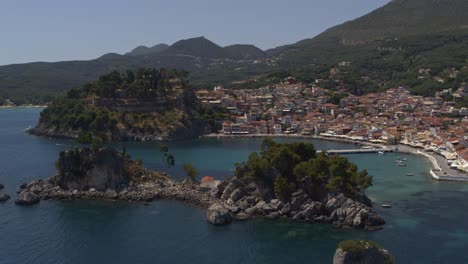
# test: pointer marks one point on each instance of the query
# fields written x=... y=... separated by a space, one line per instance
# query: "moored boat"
x=386 y=205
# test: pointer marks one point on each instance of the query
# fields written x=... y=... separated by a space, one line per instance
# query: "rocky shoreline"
x=231 y=200
x=146 y=191
x=106 y=174
x=240 y=198
x=179 y=134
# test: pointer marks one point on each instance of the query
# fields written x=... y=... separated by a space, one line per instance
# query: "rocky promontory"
x=106 y=174
x=146 y=105
x=361 y=252
x=242 y=199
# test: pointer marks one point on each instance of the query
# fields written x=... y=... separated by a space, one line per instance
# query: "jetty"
x=359 y=151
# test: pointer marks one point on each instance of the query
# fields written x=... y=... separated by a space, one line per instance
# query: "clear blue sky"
x=54 y=30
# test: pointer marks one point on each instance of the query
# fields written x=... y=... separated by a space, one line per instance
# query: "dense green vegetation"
x=425 y=63
x=285 y=168
x=146 y=101
x=75 y=114
x=388 y=47
x=75 y=163
x=401 y=18
x=359 y=246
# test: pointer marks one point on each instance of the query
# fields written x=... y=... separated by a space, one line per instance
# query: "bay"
x=427 y=223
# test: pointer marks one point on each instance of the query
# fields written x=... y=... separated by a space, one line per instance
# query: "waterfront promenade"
x=440 y=169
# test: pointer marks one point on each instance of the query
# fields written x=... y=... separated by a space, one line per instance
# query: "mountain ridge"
x=144 y=50
x=384 y=45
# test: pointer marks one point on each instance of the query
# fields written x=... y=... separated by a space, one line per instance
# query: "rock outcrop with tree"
x=293 y=181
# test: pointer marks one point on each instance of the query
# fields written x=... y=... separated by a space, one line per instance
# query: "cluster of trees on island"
x=282 y=169
x=77 y=111
x=145 y=84
x=279 y=168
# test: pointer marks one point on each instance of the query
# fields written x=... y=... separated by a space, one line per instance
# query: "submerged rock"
x=2 y=186
x=4 y=197
x=27 y=198
x=361 y=252
x=217 y=214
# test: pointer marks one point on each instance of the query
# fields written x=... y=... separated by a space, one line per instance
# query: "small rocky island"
x=283 y=181
x=361 y=252
x=107 y=174
x=292 y=181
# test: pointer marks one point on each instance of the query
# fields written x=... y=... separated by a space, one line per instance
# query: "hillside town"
x=389 y=118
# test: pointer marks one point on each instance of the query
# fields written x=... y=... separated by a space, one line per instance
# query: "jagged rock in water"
x=27 y=198
x=361 y=252
x=84 y=169
x=344 y=210
x=217 y=214
x=245 y=198
x=4 y=197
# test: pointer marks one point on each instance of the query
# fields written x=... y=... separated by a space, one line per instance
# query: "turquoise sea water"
x=427 y=223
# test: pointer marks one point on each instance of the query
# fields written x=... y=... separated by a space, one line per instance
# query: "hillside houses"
x=389 y=117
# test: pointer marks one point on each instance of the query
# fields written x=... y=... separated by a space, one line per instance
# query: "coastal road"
x=446 y=168
x=441 y=161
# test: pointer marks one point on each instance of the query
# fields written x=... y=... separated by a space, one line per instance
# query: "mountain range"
x=386 y=47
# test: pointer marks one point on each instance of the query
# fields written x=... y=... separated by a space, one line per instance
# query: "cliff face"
x=85 y=168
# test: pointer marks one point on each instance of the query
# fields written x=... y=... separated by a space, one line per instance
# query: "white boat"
x=386 y=205
x=381 y=152
x=409 y=174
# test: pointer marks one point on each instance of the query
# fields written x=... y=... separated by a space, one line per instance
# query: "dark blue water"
x=427 y=224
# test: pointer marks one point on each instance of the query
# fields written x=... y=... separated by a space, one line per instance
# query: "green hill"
x=39 y=82
x=247 y=52
x=388 y=47
x=397 y=19
x=197 y=47
x=147 y=104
